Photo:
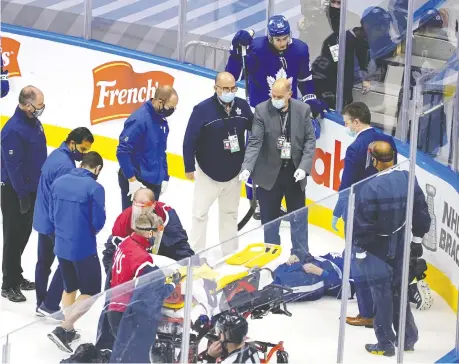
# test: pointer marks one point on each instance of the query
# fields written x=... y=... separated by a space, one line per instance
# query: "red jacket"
x=130 y=261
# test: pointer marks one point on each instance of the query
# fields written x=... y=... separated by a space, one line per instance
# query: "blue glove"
x=334 y=222
x=241 y=39
x=317 y=105
x=316 y=125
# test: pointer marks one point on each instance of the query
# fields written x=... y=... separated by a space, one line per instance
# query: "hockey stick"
x=253 y=202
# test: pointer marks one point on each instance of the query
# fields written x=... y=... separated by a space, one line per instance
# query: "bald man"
x=23 y=154
x=278 y=158
x=214 y=138
x=379 y=235
x=142 y=146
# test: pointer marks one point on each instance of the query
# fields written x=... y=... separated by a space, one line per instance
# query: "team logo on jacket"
x=119 y=90
x=280 y=74
x=238 y=111
x=10 y=51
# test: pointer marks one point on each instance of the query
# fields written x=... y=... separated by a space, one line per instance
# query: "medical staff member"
x=77 y=211
x=357 y=118
x=142 y=146
x=279 y=157
x=215 y=137
x=61 y=161
x=23 y=154
x=379 y=235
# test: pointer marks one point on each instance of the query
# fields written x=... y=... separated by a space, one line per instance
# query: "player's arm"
x=190 y=139
x=129 y=137
x=255 y=142
x=241 y=39
x=98 y=209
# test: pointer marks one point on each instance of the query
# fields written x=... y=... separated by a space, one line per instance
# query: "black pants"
x=124 y=185
x=17 y=228
x=114 y=319
x=270 y=201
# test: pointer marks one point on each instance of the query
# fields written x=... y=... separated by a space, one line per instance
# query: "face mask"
x=77 y=155
x=37 y=112
x=334 y=16
x=227 y=97
x=350 y=132
x=278 y=104
x=166 y=112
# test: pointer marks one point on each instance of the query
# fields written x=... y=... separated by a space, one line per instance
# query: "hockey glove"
x=24 y=204
x=316 y=125
x=318 y=107
x=241 y=39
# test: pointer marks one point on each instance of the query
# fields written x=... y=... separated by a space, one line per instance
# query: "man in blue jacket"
x=4 y=85
x=215 y=136
x=61 y=161
x=23 y=154
x=142 y=146
x=77 y=211
x=357 y=118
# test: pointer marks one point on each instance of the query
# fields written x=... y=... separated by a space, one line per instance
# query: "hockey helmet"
x=431 y=18
x=376 y=16
x=278 y=26
x=233 y=326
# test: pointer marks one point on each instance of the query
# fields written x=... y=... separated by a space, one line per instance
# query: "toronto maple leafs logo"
x=280 y=74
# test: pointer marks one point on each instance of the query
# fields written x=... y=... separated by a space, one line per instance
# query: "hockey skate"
x=420 y=294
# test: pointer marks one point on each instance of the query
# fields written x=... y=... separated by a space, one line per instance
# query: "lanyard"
x=283 y=121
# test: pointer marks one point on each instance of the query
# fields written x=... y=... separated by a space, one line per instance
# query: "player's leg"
x=45 y=260
x=228 y=205
x=206 y=191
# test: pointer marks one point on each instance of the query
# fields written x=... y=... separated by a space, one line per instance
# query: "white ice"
x=310 y=335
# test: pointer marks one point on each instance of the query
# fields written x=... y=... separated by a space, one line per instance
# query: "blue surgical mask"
x=350 y=132
x=278 y=104
x=227 y=97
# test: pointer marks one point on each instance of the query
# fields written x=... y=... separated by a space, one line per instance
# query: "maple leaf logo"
x=280 y=74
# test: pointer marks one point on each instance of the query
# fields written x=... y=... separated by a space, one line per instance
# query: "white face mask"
x=278 y=104
x=351 y=133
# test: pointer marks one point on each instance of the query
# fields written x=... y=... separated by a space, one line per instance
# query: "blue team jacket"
x=77 y=210
x=142 y=146
x=5 y=84
x=208 y=127
x=265 y=65
x=355 y=161
x=23 y=152
x=59 y=162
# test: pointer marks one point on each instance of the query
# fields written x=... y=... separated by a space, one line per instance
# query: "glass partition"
x=144 y=25
x=63 y=17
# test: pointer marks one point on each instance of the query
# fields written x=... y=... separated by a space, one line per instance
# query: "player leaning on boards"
x=379 y=236
x=269 y=58
x=23 y=154
x=215 y=136
x=279 y=157
x=60 y=161
x=142 y=146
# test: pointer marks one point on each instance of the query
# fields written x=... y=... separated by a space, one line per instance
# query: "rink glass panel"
x=62 y=17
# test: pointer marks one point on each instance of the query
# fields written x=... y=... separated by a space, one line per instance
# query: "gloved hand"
x=244 y=176
x=334 y=222
x=316 y=125
x=317 y=106
x=241 y=39
x=134 y=187
x=416 y=250
x=164 y=185
x=299 y=175
x=24 y=204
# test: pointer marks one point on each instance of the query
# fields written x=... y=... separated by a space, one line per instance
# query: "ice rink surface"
x=310 y=335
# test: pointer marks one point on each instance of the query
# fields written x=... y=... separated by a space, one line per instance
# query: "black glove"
x=416 y=250
x=24 y=204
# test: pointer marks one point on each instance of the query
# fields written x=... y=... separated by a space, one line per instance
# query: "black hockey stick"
x=253 y=202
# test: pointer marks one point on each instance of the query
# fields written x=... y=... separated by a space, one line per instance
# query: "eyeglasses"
x=228 y=89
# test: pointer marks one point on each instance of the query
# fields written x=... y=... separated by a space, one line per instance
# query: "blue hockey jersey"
x=265 y=65
x=308 y=286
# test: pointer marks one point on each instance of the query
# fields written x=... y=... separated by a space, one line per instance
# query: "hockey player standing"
x=379 y=235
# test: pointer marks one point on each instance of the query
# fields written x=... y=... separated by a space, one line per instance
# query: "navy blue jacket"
x=208 y=127
x=58 y=163
x=5 y=84
x=380 y=213
x=355 y=161
x=23 y=152
x=142 y=146
x=77 y=210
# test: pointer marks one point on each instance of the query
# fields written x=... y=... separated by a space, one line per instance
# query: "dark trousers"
x=385 y=288
x=362 y=287
x=270 y=201
x=124 y=185
x=50 y=297
x=17 y=228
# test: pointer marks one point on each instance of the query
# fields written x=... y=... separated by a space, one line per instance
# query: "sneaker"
x=420 y=294
x=62 y=338
x=27 y=285
x=43 y=311
x=13 y=294
x=377 y=350
x=360 y=321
